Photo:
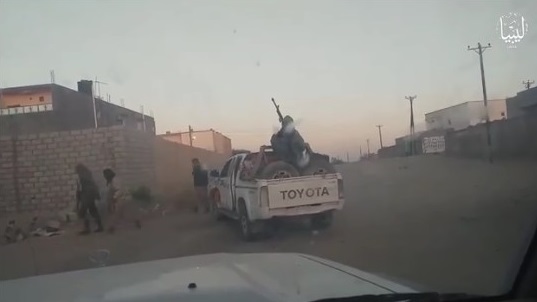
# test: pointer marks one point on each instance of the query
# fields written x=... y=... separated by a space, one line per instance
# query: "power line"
x=528 y=83
x=380 y=135
x=480 y=50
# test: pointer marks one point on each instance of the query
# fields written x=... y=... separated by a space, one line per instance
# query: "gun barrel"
x=280 y=116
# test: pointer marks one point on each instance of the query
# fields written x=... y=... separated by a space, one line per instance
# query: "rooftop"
x=527 y=91
x=168 y=133
x=452 y=106
x=29 y=89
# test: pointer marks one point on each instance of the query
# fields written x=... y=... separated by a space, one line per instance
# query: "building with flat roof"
x=52 y=107
x=525 y=102
x=466 y=114
x=205 y=139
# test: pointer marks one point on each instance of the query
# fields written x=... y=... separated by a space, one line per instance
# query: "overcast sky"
x=338 y=67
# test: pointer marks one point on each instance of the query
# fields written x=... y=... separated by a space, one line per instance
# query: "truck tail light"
x=263 y=198
x=340 y=188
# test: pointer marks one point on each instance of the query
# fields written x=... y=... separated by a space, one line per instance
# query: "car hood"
x=216 y=277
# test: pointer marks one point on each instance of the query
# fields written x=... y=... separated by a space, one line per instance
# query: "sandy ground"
x=449 y=225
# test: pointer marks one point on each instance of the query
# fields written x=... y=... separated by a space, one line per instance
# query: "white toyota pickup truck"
x=237 y=193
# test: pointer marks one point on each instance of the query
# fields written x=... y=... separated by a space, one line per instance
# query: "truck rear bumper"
x=267 y=213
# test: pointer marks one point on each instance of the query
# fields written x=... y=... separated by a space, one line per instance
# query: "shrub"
x=336 y=161
x=142 y=194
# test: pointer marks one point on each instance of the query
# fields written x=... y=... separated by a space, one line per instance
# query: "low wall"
x=391 y=151
x=510 y=138
x=37 y=170
x=174 y=169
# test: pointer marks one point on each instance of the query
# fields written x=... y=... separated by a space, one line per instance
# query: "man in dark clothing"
x=288 y=143
x=201 y=181
x=87 y=193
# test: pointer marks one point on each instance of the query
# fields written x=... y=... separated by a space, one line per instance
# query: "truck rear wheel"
x=279 y=169
x=318 y=166
x=245 y=223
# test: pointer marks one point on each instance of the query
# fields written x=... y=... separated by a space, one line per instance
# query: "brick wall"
x=37 y=170
x=135 y=158
x=174 y=169
x=510 y=138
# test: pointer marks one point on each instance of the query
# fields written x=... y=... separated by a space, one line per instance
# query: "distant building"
x=207 y=139
x=523 y=103
x=464 y=115
x=51 y=107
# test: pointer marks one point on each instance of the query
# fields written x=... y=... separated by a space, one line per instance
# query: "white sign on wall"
x=433 y=144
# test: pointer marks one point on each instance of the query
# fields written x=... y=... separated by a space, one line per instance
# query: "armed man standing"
x=288 y=143
x=86 y=194
x=201 y=181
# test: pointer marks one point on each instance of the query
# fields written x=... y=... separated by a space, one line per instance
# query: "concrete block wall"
x=174 y=169
x=37 y=170
x=510 y=138
x=134 y=155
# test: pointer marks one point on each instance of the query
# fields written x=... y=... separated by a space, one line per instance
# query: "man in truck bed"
x=288 y=143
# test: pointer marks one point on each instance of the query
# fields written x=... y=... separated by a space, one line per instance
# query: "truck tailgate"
x=301 y=191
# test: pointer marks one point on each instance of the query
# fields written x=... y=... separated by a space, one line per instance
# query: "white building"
x=464 y=115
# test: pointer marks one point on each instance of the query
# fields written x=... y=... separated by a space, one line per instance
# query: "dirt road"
x=445 y=224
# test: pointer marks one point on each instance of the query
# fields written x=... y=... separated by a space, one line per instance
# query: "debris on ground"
x=52 y=228
x=99 y=257
x=13 y=233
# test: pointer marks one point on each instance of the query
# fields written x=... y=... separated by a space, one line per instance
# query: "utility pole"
x=411 y=100
x=98 y=87
x=368 y=148
x=190 y=134
x=480 y=50
x=52 y=77
x=380 y=135
x=347 y=156
x=360 y=151
x=94 y=105
x=528 y=83
x=143 y=116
